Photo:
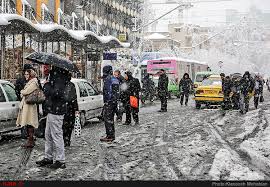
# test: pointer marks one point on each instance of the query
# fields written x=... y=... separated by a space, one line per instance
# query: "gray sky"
x=207 y=13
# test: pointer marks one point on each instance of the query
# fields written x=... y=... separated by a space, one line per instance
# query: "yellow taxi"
x=199 y=77
x=209 y=92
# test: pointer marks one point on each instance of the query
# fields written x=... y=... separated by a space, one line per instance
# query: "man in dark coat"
x=246 y=87
x=235 y=93
x=184 y=86
x=163 y=82
x=133 y=89
x=148 y=89
x=72 y=109
x=111 y=98
x=55 y=106
x=258 y=88
x=120 y=106
x=226 y=89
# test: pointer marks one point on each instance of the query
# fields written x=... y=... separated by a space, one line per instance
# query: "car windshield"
x=199 y=77
x=211 y=82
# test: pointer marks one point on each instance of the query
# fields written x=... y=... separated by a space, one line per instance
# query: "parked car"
x=90 y=103
x=90 y=100
x=9 y=106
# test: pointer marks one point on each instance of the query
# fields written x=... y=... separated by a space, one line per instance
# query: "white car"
x=90 y=101
x=9 y=106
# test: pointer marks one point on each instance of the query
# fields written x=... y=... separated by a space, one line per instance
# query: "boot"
x=30 y=141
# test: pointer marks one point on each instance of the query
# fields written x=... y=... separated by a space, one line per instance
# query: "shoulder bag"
x=36 y=97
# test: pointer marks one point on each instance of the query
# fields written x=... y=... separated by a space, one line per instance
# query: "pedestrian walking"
x=258 y=90
x=268 y=84
x=226 y=89
x=72 y=110
x=185 y=86
x=163 y=82
x=55 y=106
x=132 y=91
x=148 y=89
x=235 y=93
x=111 y=98
x=120 y=107
x=28 y=113
x=246 y=88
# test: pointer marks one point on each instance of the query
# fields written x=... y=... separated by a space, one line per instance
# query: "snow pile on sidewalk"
x=227 y=166
x=258 y=147
x=252 y=120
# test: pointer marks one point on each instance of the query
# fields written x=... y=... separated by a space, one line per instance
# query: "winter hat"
x=107 y=70
x=129 y=74
x=222 y=74
x=185 y=75
x=27 y=66
x=246 y=73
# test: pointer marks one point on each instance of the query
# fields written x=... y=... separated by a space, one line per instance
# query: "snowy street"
x=183 y=144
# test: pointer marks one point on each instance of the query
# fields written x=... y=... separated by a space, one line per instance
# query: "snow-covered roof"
x=55 y=32
x=156 y=36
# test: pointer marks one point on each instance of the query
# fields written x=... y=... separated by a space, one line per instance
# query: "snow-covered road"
x=182 y=144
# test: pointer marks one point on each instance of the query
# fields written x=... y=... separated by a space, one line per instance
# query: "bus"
x=175 y=69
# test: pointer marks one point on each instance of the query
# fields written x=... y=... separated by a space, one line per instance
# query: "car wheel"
x=198 y=105
x=82 y=119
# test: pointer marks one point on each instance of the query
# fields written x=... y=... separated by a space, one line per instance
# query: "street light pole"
x=186 y=5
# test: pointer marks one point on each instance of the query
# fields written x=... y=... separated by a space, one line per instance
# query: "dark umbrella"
x=54 y=60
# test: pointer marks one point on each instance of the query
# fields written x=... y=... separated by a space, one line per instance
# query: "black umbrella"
x=54 y=60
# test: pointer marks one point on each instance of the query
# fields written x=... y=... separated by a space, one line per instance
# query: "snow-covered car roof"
x=4 y=81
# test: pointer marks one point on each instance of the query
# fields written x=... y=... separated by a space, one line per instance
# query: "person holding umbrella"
x=55 y=105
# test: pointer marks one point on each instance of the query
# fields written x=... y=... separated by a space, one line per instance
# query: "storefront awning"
x=16 y=24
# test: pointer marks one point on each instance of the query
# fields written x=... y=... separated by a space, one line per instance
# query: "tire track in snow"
x=234 y=151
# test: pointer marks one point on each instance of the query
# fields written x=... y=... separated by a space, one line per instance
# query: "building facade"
x=107 y=17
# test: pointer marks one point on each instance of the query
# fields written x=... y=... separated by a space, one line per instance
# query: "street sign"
x=122 y=37
x=109 y=56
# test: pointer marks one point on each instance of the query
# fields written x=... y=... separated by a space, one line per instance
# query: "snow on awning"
x=16 y=24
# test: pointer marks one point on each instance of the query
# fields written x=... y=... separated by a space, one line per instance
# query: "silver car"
x=9 y=106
